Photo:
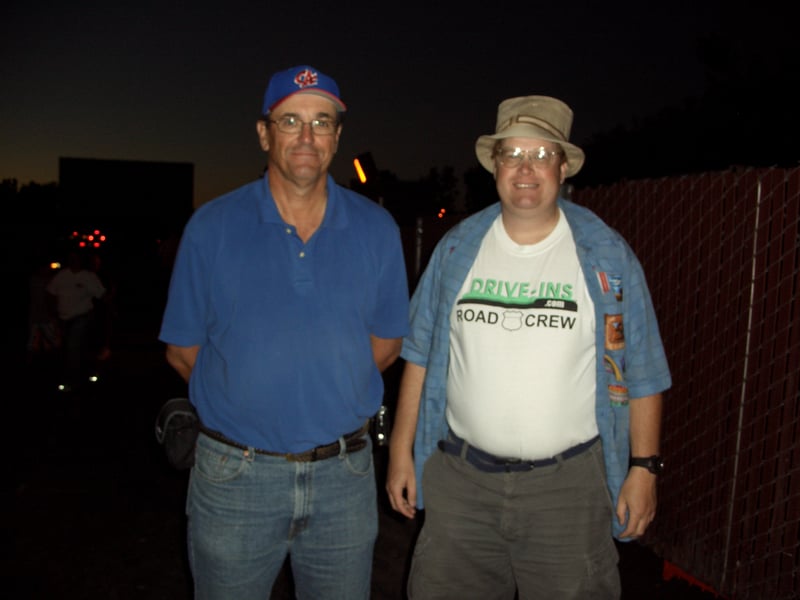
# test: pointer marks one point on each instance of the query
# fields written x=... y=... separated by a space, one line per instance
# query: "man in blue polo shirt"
x=288 y=299
x=534 y=367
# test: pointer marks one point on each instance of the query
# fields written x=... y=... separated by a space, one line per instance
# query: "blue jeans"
x=247 y=511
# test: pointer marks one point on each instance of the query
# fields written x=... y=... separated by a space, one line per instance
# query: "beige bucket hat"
x=540 y=117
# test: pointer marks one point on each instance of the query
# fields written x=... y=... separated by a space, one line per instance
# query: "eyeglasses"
x=291 y=124
x=539 y=157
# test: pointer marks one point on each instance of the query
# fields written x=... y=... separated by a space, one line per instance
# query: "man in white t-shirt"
x=522 y=397
x=73 y=290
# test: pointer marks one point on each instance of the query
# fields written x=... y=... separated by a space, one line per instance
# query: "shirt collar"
x=335 y=214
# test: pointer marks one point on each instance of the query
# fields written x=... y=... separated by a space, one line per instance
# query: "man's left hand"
x=637 y=502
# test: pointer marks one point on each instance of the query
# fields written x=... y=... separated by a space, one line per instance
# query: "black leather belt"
x=353 y=442
x=490 y=463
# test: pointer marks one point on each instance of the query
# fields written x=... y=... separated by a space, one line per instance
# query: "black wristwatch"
x=654 y=463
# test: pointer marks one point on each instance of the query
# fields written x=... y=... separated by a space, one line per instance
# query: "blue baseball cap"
x=300 y=80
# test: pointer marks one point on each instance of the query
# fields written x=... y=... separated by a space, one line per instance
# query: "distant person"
x=288 y=299
x=517 y=403
x=73 y=290
x=44 y=333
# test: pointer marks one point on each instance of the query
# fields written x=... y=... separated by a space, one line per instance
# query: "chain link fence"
x=721 y=252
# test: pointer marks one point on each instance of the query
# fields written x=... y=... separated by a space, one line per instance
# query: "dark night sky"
x=183 y=81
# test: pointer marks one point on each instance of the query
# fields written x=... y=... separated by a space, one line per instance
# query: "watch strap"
x=654 y=463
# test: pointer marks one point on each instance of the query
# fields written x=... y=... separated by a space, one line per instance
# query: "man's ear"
x=263 y=134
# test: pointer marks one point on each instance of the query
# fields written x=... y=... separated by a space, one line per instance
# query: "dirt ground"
x=91 y=509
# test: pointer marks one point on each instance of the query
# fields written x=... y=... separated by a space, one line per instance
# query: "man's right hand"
x=401 y=484
x=401 y=480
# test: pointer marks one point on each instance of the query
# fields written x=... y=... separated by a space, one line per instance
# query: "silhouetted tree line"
x=31 y=201
x=408 y=200
x=746 y=117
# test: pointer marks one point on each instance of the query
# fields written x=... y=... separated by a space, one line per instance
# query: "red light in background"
x=94 y=238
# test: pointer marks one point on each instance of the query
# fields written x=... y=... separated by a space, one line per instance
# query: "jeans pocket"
x=596 y=454
x=215 y=461
x=360 y=462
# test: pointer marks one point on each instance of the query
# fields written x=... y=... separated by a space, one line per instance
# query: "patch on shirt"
x=613 y=367
x=610 y=283
x=615 y=332
x=618 y=395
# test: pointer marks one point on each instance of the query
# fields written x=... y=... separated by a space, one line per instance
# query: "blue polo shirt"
x=285 y=361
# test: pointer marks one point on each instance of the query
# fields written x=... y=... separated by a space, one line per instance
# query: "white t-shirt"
x=522 y=348
x=75 y=291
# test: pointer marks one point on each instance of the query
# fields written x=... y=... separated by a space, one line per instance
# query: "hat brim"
x=485 y=145
x=340 y=106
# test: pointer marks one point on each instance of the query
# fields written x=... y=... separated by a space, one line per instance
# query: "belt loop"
x=342 y=447
x=464 y=449
x=249 y=454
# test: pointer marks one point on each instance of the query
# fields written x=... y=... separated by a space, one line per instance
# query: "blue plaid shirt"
x=616 y=284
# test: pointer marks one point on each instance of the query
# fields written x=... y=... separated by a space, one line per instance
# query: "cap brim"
x=340 y=106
